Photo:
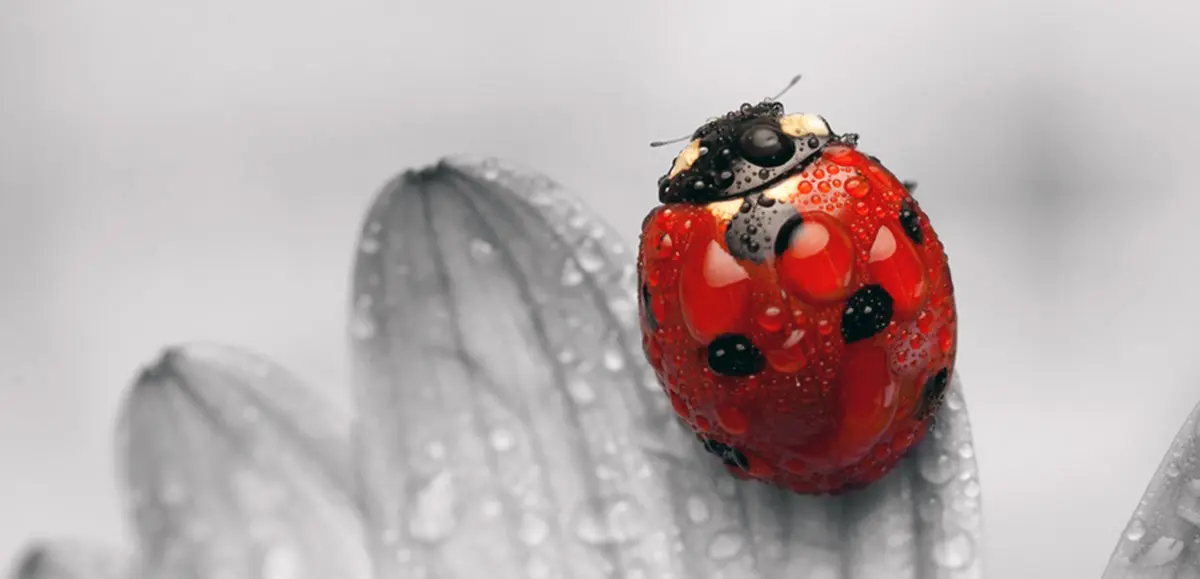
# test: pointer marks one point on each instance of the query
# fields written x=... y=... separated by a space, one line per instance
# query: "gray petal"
x=1162 y=539
x=512 y=428
x=236 y=470
x=66 y=559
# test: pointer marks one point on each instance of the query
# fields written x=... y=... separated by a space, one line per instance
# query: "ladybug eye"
x=765 y=146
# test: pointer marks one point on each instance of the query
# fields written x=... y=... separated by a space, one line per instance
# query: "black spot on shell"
x=933 y=394
x=911 y=222
x=735 y=356
x=783 y=239
x=647 y=311
x=867 y=313
x=755 y=228
x=728 y=454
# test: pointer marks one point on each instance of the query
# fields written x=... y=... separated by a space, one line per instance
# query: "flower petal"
x=1161 y=538
x=68 y=559
x=235 y=469
x=512 y=428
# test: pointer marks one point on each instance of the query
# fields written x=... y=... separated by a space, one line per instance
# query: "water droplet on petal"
x=571 y=275
x=625 y=521
x=501 y=439
x=930 y=510
x=534 y=529
x=1136 y=530
x=1172 y=469
x=481 y=250
x=361 y=325
x=936 y=468
x=954 y=551
x=581 y=392
x=589 y=259
x=971 y=489
x=433 y=517
x=619 y=521
x=726 y=546
x=1162 y=551
x=492 y=508
x=966 y=450
x=369 y=245
x=613 y=360
x=697 y=509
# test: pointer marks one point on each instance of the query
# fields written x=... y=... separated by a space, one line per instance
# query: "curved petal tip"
x=1162 y=539
x=232 y=466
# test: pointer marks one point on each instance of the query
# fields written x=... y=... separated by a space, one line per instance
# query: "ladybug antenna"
x=657 y=144
x=792 y=83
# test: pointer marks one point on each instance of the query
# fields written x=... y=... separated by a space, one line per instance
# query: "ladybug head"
x=743 y=151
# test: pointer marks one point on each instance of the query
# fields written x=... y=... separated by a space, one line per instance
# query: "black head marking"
x=867 y=313
x=741 y=152
x=735 y=356
x=933 y=394
x=755 y=229
x=911 y=222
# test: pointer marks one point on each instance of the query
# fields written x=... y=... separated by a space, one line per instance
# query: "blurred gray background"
x=176 y=171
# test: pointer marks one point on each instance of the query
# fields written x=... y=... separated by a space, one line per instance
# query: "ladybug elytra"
x=796 y=304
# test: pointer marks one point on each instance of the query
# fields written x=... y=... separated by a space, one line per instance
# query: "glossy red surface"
x=812 y=412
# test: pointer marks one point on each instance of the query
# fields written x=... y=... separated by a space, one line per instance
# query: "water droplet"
x=966 y=450
x=619 y=521
x=369 y=245
x=362 y=327
x=1172 y=469
x=481 y=250
x=1162 y=551
x=697 y=509
x=433 y=517
x=954 y=401
x=581 y=392
x=534 y=529
x=571 y=275
x=613 y=360
x=589 y=259
x=502 y=440
x=492 y=508
x=937 y=468
x=930 y=510
x=954 y=551
x=726 y=546
x=1136 y=530
x=971 y=489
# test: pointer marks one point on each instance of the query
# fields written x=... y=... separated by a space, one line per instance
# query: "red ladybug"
x=796 y=303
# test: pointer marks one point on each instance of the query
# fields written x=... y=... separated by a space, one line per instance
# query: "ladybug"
x=796 y=304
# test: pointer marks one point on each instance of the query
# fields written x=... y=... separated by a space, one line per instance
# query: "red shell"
x=804 y=410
